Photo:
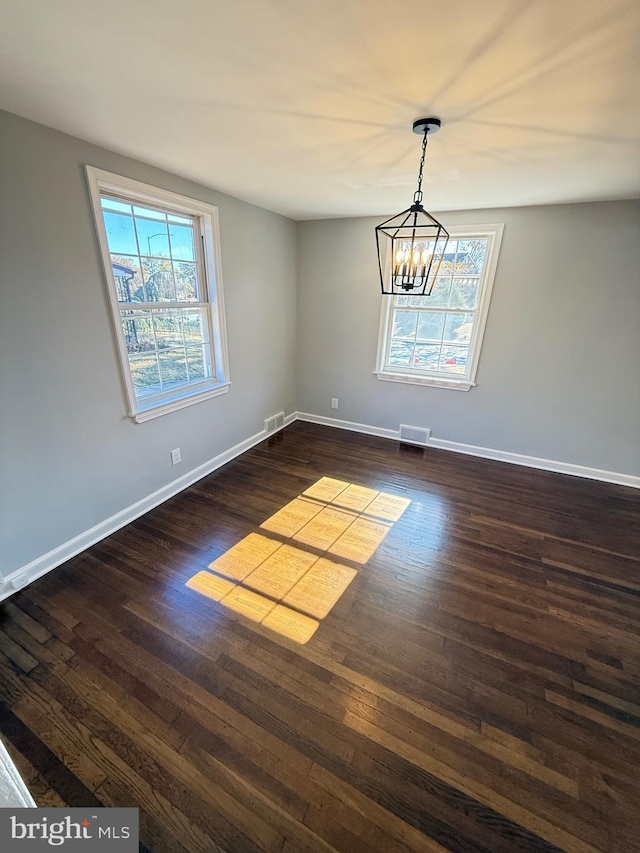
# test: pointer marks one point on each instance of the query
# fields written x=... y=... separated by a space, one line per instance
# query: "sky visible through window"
x=155 y=269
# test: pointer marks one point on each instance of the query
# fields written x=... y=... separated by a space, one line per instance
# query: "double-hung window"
x=436 y=339
x=161 y=259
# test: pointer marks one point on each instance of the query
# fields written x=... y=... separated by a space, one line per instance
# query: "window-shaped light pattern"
x=411 y=246
x=279 y=578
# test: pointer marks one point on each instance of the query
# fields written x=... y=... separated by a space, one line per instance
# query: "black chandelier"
x=411 y=244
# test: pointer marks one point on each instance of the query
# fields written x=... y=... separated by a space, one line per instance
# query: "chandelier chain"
x=417 y=196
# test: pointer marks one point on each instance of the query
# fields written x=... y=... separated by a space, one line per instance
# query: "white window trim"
x=100 y=181
x=494 y=234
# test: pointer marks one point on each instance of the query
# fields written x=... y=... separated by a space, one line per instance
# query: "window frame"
x=211 y=297
x=494 y=234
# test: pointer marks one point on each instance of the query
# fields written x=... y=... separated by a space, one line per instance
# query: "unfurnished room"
x=320 y=426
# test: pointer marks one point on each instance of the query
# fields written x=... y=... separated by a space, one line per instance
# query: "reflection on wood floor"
x=474 y=688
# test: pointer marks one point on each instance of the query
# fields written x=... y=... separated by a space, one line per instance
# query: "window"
x=436 y=340
x=162 y=266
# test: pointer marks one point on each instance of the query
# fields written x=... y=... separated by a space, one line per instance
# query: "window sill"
x=155 y=410
x=433 y=381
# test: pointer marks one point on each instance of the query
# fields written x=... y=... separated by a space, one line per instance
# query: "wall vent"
x=274 y=423
x=414 y=435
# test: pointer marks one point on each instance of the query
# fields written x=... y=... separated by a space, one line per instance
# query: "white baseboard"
x=350 y=425
x=41 y=565
x=484 y=452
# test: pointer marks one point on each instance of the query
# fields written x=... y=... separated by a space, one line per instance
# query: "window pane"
x=181 y=238
x=112 y=204
x=400 y=353
x=464 y=292
x=457 y=327
x=168 y=329
x=404 y=324
x=453 y=359
x=173 y=367
x=120 y=234
x=194 y=326
x=186 y=279
x=470 y=258
x=138 y=332
x=158 y=280
x=427 y=356
x=440 y=293
x=144 y=371
x=149 y=213
x=430 y=324
x=152 y=237
x=196 y=363
x=128 y=278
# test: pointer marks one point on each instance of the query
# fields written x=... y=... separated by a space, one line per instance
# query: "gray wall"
x=70 y=455
x=559 y=369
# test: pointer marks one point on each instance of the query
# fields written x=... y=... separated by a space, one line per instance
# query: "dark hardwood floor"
x=476 y=688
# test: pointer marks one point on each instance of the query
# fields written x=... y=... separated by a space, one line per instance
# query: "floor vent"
x=274 y=423
x=414 y=435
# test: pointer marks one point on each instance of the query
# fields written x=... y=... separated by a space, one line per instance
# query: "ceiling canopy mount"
x=426 y=125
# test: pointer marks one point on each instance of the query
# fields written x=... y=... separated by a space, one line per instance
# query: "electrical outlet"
x=176 y=456
x=334 y=402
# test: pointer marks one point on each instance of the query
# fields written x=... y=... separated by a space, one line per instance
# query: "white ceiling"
x=305 y=106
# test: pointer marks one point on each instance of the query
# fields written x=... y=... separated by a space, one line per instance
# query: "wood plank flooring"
x=475 y=689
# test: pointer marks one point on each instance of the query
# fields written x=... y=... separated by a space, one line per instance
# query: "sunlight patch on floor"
x=288 y=588
x=240 y=560
x=290 y=623
x=323 y=530
x=291 y=517
x=321 y=587
x=280 y=571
